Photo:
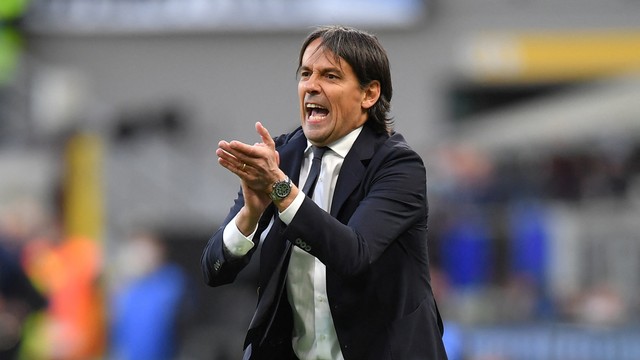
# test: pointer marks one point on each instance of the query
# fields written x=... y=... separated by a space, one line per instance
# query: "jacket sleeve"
x=389 y=203
x=218 y=266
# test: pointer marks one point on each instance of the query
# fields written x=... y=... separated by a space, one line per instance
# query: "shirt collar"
x=342 y=145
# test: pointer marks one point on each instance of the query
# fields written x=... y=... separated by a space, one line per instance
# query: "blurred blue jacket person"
x=147 y=310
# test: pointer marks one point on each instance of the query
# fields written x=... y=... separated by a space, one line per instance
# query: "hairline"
x=337 y=59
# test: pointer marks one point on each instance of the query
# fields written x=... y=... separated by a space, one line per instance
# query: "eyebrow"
x=325 y=70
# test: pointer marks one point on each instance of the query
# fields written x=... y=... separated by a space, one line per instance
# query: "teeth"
x=314 y=106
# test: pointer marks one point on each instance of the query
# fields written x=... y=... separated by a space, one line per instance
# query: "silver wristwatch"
x=281 y=189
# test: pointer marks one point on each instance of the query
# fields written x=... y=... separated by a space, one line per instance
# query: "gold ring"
x=244 y=165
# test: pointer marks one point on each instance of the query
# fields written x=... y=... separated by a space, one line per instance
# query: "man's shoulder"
x=394 y=146
x=285 y=138
x=395 y=142
x=397 y=139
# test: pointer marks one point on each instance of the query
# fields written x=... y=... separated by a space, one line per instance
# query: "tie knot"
x=318 y=151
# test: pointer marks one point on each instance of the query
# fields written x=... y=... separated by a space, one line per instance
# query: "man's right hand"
x=251 y=163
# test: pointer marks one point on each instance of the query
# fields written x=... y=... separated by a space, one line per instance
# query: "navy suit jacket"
x=373 y=243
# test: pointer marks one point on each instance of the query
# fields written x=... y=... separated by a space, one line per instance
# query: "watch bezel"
x=280 y=189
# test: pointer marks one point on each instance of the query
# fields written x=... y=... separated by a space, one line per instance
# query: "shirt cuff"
x=287 y=215
x=236 y=243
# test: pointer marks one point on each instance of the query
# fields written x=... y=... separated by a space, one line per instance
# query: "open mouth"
x=316 y=112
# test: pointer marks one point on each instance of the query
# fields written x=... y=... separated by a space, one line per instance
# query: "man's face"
x=332 y=103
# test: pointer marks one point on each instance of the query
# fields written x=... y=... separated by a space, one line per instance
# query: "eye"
x=304 y=74
x=332 y=76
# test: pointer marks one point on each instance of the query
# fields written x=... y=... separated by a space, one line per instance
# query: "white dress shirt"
x=314 y=336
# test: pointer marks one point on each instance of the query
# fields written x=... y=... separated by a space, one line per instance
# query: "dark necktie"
x=312 y=179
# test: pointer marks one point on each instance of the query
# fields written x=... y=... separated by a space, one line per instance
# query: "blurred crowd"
x=59 y=300
x=537 y=238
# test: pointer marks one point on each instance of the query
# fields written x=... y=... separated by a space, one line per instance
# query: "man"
x=343 y=268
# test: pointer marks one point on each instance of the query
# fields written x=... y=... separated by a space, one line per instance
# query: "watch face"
x=282 y=189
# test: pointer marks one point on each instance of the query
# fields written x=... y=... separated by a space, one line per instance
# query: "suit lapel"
x=291 y=156
x=353 y=168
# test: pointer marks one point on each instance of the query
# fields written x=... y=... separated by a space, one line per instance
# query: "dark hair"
x=364 y=53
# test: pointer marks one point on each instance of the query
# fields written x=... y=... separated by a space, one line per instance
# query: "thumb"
x=264 y=134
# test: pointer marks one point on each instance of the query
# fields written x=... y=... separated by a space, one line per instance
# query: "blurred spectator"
x=466 y=250
x=68 y=270
x=18 y=297
x=527 y=285
x=600 y=305
x=149 y=305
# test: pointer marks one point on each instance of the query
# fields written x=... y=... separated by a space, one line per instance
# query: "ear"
x=371 y=94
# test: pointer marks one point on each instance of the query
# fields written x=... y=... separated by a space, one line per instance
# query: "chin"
x=313 y=136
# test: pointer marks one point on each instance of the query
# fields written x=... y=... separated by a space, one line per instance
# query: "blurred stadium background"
x=527 y=114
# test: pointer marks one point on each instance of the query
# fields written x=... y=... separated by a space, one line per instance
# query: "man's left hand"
x=256 y=165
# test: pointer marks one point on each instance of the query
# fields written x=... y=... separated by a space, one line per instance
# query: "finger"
x=227 y=156
x=228 y=165
x=231 y=162
x=264 y=134
x=239 y=169
x=224 y=148
x=243 y=153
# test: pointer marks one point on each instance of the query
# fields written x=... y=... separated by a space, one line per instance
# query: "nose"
x=311 y=85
